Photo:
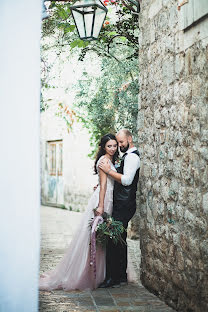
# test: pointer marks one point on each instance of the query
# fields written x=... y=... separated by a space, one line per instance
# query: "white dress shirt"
x=131 y=165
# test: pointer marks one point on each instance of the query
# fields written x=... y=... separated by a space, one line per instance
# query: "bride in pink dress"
x=74 y=270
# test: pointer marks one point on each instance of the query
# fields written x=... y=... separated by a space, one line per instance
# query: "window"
x=192 y=12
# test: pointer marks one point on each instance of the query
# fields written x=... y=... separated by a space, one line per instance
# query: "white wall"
x=78 y=173
x=19 y=166
x=79 y=168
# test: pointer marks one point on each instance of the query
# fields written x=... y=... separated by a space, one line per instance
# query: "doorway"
x=54 y=173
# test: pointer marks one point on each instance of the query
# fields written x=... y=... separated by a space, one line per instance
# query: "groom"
x=124 y=206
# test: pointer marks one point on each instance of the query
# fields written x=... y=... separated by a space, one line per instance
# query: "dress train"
x=74 y=270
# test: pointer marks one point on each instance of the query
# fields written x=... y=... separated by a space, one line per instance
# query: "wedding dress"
x=74 y=270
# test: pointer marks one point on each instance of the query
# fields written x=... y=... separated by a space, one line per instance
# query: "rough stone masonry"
x=173 y=141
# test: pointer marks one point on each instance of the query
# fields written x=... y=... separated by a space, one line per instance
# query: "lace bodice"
x=110 y=181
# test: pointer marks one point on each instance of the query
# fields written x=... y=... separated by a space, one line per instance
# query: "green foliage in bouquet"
x=109 y=229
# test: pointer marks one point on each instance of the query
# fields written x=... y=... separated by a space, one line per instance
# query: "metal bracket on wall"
x=181 y=3
x=137 y=4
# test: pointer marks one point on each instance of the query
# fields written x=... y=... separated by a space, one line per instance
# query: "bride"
x=74 y=270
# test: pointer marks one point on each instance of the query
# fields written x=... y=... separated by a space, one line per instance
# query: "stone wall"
x=173 y=141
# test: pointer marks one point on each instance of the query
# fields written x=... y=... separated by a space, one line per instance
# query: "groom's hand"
x=105 y=165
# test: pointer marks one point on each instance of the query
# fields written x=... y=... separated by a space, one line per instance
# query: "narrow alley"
x=57 y=228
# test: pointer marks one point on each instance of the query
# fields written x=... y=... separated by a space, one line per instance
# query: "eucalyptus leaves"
x=109 y=229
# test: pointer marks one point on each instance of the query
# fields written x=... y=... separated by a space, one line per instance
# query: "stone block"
x=179 y=42
x=173 y=19
x=204 y=135
x=188 y=62
x=155 y=7
x=166 y=3
x=178 y=212
x=202 y=113
x=152 y=32
x=173 y=115
x=204 y=152
x=165 y=192
x=200 y=61
x=179 y=64
x=182 y=115
x=171 y=153
x=196 y=87
x=140 y=120
x=205 y=203
x=168 y=70
x=161 y=21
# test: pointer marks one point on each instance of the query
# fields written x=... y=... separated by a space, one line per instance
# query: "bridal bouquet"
x=108 y=228
x=104 y=228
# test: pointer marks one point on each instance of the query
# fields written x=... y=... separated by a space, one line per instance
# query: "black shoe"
x=105 y=283
x=116 y=284
x=109 y=283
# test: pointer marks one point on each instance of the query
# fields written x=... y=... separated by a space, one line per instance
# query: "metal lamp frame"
x=76 y=8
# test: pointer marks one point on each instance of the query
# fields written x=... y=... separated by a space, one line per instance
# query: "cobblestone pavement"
x=57 y=228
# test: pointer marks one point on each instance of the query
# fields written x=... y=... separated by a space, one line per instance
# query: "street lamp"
x=88 y=16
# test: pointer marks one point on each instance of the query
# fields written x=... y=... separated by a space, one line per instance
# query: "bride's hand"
x=95 y=187
x=99 y=211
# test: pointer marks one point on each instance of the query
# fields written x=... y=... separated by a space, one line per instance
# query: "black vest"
x=124 y=197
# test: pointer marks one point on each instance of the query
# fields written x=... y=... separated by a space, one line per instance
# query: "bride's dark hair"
x=102 y=151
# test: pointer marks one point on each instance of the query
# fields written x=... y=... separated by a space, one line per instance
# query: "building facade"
x=67 y=177
x=173 y=141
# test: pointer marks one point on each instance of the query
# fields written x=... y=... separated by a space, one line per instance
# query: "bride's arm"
x=103 y=186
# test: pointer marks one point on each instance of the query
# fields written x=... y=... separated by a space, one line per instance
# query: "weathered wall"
x=73 y=188
x=173 y=141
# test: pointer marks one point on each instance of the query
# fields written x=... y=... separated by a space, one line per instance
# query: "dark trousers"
x=116 y=258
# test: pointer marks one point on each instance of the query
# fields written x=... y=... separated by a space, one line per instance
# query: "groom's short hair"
x=125 y=131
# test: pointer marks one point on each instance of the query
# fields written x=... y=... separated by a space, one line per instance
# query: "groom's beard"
x=124 y=149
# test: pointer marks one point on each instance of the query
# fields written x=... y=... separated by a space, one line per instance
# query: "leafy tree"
x=112 y=102
x=121 y=22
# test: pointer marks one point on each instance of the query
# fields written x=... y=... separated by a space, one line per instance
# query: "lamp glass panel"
x=79 y=20
x=88 y=23
x=99 y=19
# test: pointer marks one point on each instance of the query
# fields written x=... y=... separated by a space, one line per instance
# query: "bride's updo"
x=101 y=150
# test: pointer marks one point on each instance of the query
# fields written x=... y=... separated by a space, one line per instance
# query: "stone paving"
x=57 y=228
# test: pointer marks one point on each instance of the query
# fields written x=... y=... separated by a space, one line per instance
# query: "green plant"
x=112 y=102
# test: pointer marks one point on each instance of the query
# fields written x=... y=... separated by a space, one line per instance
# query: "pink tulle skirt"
x=74 y=270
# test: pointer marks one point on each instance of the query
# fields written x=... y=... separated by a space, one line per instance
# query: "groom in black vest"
x=124 y=206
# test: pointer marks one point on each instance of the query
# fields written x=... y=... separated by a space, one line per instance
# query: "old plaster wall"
x=73 y=188
x=173 y=141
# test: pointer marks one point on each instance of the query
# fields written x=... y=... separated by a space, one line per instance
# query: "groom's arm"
x=115 y=175
x=131 y=164
x=106 y=167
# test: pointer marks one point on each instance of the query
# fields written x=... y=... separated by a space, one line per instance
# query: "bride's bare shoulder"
x=102 y=158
